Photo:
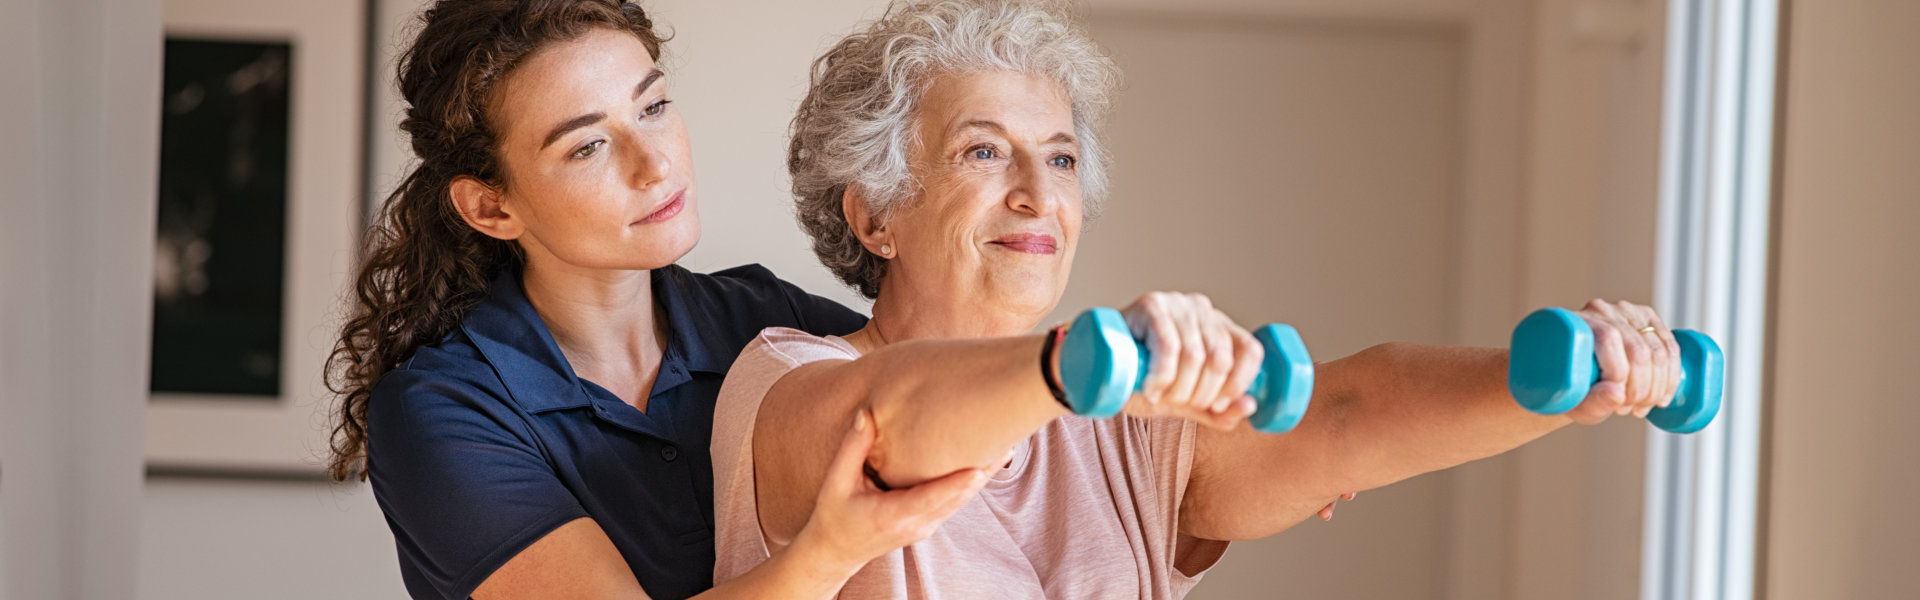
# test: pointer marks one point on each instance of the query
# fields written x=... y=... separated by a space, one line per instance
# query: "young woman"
x=526 y=376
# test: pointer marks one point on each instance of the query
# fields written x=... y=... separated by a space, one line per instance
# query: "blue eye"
x=983 y=153
x=1063 y=161
x=588 y=150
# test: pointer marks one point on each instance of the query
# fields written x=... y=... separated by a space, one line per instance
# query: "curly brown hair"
x=423 y=268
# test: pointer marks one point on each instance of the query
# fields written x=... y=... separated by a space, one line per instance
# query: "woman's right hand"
x=854 y=522
x=1201 y=362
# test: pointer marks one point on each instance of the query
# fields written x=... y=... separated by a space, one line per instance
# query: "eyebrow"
x=995 y=126
x=591 y=118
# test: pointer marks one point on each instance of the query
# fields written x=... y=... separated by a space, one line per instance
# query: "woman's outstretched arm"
x=1397 y=410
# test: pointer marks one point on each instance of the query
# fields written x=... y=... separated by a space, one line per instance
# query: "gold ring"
x=1649 y=329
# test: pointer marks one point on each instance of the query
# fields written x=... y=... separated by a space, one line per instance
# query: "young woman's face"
x=599 y=171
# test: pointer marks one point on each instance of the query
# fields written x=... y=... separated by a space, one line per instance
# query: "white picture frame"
x=286 y=435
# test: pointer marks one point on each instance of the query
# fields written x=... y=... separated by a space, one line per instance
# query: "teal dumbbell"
x=1552 y=366
x=1101 y=365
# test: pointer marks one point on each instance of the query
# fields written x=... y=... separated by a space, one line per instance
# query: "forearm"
x=1385 y=414
x=792 y=573
x=1401 y=410
x=946 y=405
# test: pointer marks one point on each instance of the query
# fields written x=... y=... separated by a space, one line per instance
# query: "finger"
x=1209 y=390
x=846 y=474
x=1247 y=356
x=1603 y=400
x=1225 y=420
x=1658 y=359
x=1192 y=359
x=1608 y=394
x=1674 y=372
x=1349 y=495
x=1163 y=337
x=1639 y=368
x=1601 y=308
x=937 y=499
x=1601 y=316
x=1326 y=512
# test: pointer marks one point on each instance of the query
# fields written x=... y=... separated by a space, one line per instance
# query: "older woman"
x=945 y=161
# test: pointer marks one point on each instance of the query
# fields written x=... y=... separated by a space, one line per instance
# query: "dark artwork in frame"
x=220 y=260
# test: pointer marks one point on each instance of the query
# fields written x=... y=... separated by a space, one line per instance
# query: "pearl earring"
x=886 y=250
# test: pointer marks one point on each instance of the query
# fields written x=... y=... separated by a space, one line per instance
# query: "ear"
x=872 y=233
x=483 y=208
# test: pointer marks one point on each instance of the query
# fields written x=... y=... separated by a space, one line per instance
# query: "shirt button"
x=669 y=453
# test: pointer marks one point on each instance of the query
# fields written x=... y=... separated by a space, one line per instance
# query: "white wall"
x=204 y=539
x=1839 y=506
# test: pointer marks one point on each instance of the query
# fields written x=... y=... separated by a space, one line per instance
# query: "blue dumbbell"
x=1101 y=365
x=1552 y=366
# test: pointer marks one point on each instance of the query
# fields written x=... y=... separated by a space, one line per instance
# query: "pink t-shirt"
x=1087 y=509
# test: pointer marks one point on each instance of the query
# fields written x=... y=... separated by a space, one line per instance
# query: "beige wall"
x=1840 y=518
x=1300 y=170
x=1435 y=163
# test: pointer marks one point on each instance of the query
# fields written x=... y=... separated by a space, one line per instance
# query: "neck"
x=898 y=317
x=601 y=319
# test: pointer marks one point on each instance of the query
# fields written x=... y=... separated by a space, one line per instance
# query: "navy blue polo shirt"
x=487 y=441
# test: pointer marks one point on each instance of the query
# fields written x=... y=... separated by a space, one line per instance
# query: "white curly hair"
x=856 y=125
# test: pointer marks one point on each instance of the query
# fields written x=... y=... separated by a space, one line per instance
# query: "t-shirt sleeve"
x=739 y=544
x=461 y=480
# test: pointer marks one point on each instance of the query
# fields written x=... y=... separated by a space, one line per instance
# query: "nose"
x=1033 y=191
x=648 y=160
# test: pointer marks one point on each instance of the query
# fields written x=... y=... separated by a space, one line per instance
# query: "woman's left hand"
x=854 y=522
x=1639 y=361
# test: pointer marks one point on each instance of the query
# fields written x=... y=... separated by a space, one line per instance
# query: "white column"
x=79 y=113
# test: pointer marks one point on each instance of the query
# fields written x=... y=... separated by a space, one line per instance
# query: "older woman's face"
x=999 y=214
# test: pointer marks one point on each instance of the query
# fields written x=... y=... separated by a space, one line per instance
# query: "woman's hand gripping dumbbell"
x=1553 y=365
x=1102 y=365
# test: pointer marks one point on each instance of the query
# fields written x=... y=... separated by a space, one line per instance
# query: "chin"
x=664 y=245
x=1034 y=301
x=675 y=242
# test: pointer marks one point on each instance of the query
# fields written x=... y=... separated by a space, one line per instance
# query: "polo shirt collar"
x=693 y=326
x=513 y=338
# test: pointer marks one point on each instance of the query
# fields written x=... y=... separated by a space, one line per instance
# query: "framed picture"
x=261 y=203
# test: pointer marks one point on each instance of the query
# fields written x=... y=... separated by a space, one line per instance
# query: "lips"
x=673 y=206
x=1028 y=243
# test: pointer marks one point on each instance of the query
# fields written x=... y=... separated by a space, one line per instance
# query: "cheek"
x=682 y=152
